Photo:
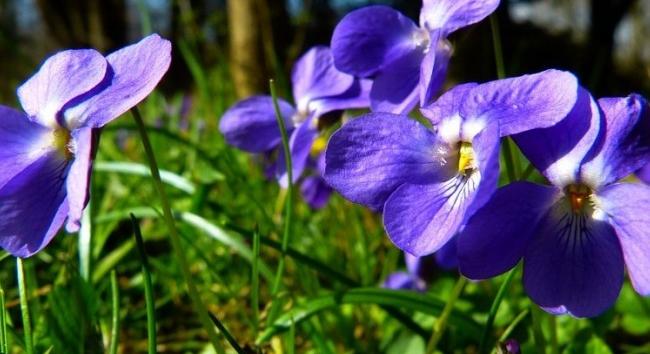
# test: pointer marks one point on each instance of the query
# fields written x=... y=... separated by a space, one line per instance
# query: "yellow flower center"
x=466 y=162
x=319 y=145
x=61 y=140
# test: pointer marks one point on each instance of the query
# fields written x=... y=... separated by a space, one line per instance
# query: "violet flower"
x=577 y=235
x=318 y=88
x=421 y=270
x=46 y=156
x=406 y=62
x=429 y=181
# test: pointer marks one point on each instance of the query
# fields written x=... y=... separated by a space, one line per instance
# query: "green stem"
x=255 y=282
x=115 y=322
x=288 y=205
x=527 y=172
x=554 y=345
x=441 y=323
x=199 y=307
x=4 y=345
x=483 y=347
x=496 y=44
x=24 y=307
x=538 y=335
x=148 y=289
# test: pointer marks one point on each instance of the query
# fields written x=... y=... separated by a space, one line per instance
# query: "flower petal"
x=627 y=204
x=250 y=124
x=315 y=191
x=23 y=142
x=402 y=281
x=62 y=77
x=356 y=96
x=137 y=69
x=573 y=264
x=644 y=173
x=314 y=76
x=423 y=268
x=450 y=15
x=33 y=206
x=525 y=102
x=300 y=144
x=78 y=181
x=420 y=219
x=434 y=67
x=495 y=238
x=369 y=157
x=447 y=256
x=395 y=89
x=625 y=141
x=368 y=39
x=447 y=105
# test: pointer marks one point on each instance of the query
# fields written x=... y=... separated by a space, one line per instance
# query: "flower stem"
x=199 y=307
x=538 y=335
x=115 y=322
x=277 y=282
x=24 y=307
x=148 y=288
x=483 y=347
x=441 y=323
x=496 y=44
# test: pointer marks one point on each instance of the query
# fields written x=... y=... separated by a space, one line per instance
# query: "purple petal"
x=423 y=268
x=315 y=191
x=33 y=206
x=314 y=76
x=450 y=15
x=626 y=205
x=368 y=39
x=625 y=144
x=395 y=89
x=300 y=144
x=403 y=281
x=573 y=264
x=525 y=102
x=250 y=124
x=495 y=238
x=434 y=67
x=448 y=104
x=420 y=219
x=644 y=173
x=78 y=181
x=137 y=69
x=447 y=256
x=22 y=142
x=557 y=151
x=369 y=157
x=61 y=78
x=356 y=96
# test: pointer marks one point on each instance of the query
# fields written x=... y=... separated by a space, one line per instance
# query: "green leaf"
x=137 y=169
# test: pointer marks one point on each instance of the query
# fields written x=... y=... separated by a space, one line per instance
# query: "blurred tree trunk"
x=247 y=59
x=99 y=24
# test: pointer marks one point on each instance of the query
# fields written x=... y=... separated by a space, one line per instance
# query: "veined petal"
x=368 y=39
x=558 y=151
x=61 y=78
x=434 y=67
x=523 y=103
x=395 y=88
x=21 y=143
x=573 y=264
x=314 y=76
x=300 y=143
x=250 y=124
x=627 y=204
x=447 y=105
x=624 y=144
x=33 y=206
x=78 y=181
x=136 y=70
x=495 y=238
x=356 y=96
x=450 y=15
x=315 y=191
x=369 y=157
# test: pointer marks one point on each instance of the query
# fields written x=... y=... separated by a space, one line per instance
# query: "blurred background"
x=605 y=42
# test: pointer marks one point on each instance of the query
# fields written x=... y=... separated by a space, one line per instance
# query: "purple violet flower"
x=421 y=270
x=47 y=153
x=318 y=88
x=429 y=181
x=406 y=62
x=577 y=235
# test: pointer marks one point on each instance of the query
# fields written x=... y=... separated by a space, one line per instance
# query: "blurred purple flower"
x=428 y=182
x=318 y=88
x=510 y=346
x=47 y=154
x=406 y=62
x=421 y=270
x=577 y=235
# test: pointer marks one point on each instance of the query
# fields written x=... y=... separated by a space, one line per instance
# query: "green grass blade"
x=441 y=324
x=4 y=344
x=115 y=314
x=485 y=338
x=148 y=287
x=286 y=234
x=85 y=243
x=199 y=306
x=136 y=169
x=227 y=334
x=255 y=281
x=24 y=307
x=401 y=299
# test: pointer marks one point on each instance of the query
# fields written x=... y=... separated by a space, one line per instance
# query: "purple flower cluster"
x=47 y=152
